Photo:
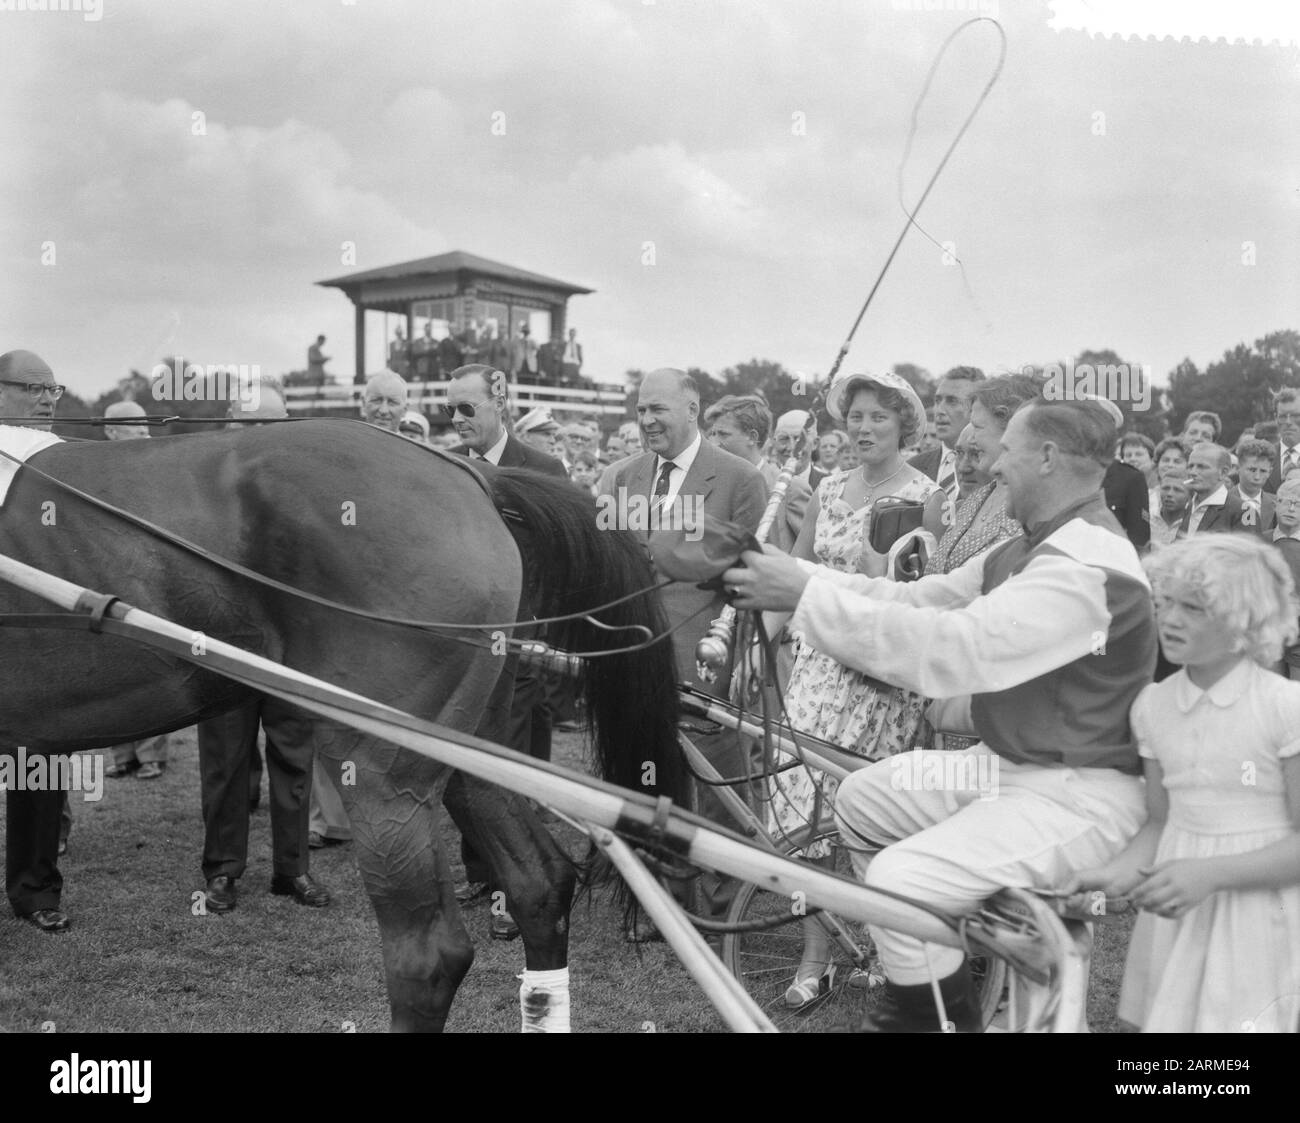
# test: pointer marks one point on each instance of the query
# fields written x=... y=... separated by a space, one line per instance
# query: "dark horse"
x=359 y=516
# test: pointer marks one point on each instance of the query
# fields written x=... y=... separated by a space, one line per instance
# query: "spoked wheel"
x=766 y=960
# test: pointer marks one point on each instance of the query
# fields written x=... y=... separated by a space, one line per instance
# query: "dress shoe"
x=467 y=892
x=119 y=770
x=302 y=889
x=220 y=894
x=151 y=770
x=315 y=840
x=49 y=920
x=911 y=1009
x=503 y=927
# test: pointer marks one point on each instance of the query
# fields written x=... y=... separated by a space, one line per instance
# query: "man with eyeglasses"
x=27 y=387
x=32 y=879
x=476 y=404
x=384 y=400
x=1286 y=409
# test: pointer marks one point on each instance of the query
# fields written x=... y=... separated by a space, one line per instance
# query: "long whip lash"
x=934 y=178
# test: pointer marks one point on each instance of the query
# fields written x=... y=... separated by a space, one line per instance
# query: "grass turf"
x=138 y=958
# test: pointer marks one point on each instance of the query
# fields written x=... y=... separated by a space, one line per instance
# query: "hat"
x=537 y=420
x=410 y=417
x=837 y=397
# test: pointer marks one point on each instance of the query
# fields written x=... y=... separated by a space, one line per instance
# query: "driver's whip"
x=713 y=652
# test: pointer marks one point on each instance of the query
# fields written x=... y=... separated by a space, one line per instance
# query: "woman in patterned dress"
x=882 y=414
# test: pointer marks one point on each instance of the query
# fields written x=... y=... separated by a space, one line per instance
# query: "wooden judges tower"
x=454 y=293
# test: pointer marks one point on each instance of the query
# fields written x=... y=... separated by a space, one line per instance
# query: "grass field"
x=138 y=959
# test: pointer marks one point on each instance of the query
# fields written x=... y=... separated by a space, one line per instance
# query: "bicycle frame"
x=1049 y=957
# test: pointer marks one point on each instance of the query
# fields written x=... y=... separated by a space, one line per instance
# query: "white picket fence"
x=427 y=396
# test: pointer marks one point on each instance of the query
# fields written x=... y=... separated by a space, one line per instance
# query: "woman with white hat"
x=882 y=415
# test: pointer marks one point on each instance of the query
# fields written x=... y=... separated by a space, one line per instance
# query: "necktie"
x=947 y=480
x=661 y=484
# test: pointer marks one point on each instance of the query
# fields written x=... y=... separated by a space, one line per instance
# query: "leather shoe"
x=302 y=889
x=220 y=894
x=150 y=770
x=49 y=920
x=470 y=891
x=118 y=770
x=503 y=927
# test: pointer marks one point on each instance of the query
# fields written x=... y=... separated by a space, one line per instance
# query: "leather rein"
x=449 y=630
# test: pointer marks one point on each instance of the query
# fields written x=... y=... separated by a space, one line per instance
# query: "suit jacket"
x=1274 y=480
x=1128 y=498
x=789 y=516
x=1224 y=519
x=928 y=462
x=516 y=454
x=731 y=489
x=1267 y=519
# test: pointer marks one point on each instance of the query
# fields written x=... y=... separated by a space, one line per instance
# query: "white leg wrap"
x=544 y=1001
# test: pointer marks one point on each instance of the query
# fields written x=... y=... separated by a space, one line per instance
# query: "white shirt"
x=682 y=464
x=1294 y=453
x=1217 y=498
x=493 y=455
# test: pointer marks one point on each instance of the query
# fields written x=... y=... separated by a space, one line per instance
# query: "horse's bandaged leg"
x=544 y=1001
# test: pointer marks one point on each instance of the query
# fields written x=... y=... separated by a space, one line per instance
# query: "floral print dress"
x=828 y=700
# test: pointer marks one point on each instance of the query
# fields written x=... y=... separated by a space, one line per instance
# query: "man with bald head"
x=121 y=431
x=790 y=428
x=1213 y=507
x=27 y=387
x=384 y=400
x=679 y=466
x=32 y=879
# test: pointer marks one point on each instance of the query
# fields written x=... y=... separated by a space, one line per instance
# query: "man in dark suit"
x=682 y=471
x=476 y=403
x=1212 y=507
x=32 y=879
x=1286 y=409
x=228 y=743
x=1127 y=497
x=951 y=413
x=1255 y=461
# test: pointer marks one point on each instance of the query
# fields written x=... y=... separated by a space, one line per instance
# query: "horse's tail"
x=571 y=565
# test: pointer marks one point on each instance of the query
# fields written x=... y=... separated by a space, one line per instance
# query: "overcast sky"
x=673 y=122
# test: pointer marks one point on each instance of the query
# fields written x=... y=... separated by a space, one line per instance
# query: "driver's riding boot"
x=911 y=1009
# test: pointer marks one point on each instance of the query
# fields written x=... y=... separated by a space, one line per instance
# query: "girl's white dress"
x=1231 y=964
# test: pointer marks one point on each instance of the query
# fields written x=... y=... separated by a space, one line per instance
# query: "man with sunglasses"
x=476 y=404
x=32 y=879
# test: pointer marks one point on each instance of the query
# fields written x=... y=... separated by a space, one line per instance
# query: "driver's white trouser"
x=959 y=828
